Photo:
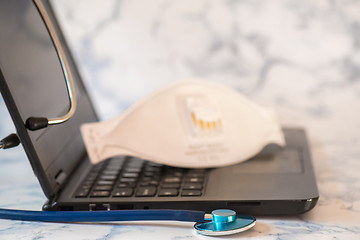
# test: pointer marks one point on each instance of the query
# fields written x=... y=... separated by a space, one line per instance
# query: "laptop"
x=32 y=83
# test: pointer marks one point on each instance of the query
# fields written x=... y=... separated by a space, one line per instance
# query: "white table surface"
x=301 y=58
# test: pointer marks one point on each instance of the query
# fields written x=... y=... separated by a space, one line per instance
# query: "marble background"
x=301 y=58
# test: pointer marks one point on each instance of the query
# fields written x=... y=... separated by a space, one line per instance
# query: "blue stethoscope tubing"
x=102 y=216
x=221 y=221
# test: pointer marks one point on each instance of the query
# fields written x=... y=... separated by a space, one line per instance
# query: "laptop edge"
x=245 y=188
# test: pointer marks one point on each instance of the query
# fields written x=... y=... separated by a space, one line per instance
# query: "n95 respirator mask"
x=195 y=124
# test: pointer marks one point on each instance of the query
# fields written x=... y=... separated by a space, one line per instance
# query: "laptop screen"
x=36 y=87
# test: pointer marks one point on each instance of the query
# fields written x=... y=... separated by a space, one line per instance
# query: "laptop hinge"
x=60 y=177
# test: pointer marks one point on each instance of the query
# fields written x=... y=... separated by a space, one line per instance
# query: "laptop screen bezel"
x=48 y=177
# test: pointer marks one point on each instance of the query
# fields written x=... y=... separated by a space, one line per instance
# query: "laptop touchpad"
x=285 y=161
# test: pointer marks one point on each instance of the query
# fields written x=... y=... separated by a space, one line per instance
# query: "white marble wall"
x=301 y=58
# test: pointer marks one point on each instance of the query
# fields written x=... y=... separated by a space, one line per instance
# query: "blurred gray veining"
x=301 y=58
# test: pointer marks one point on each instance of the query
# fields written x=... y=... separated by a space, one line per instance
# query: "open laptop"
x=32 y=84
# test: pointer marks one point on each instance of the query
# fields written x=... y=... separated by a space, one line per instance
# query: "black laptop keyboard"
x=134 y=177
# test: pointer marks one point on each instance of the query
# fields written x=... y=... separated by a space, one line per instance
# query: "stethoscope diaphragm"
x=224 y=222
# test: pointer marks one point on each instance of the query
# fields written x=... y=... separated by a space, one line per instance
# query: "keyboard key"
x=170 y=192
x=194 y=179
x=130 y=175
x=175 y=173
x=192 y=186
x=84 y=188
x=152 y=169
x=170 y=185
x=113 y=167
x=191 y=193
x=146 y=179
x=172 y=180
x=89 y=181
x=108 y=177
x=104 y=182
x=100 y=194
x=103 y=188
x=195 y=174
x=151 y=174
x=110 y=172
x=123 y=192
x=126 y=184
x=87 y=184
x=115 y=163
x=135 y=162
x=146 y=191
x=97 y=167
x=127 y=180
x=133 y=169
x=149 y=183
x=81 y=193
x=154 y=164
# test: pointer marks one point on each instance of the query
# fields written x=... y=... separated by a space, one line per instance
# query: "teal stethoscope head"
x=224 y=222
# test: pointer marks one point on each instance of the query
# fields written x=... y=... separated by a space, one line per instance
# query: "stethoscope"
x=219 y=222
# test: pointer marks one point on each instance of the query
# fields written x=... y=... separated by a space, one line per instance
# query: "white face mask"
x=186 y=124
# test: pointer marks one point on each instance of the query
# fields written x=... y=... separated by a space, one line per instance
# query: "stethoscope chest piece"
x=224 y=222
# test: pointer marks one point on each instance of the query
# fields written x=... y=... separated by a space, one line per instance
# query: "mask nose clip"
x=224 y=222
